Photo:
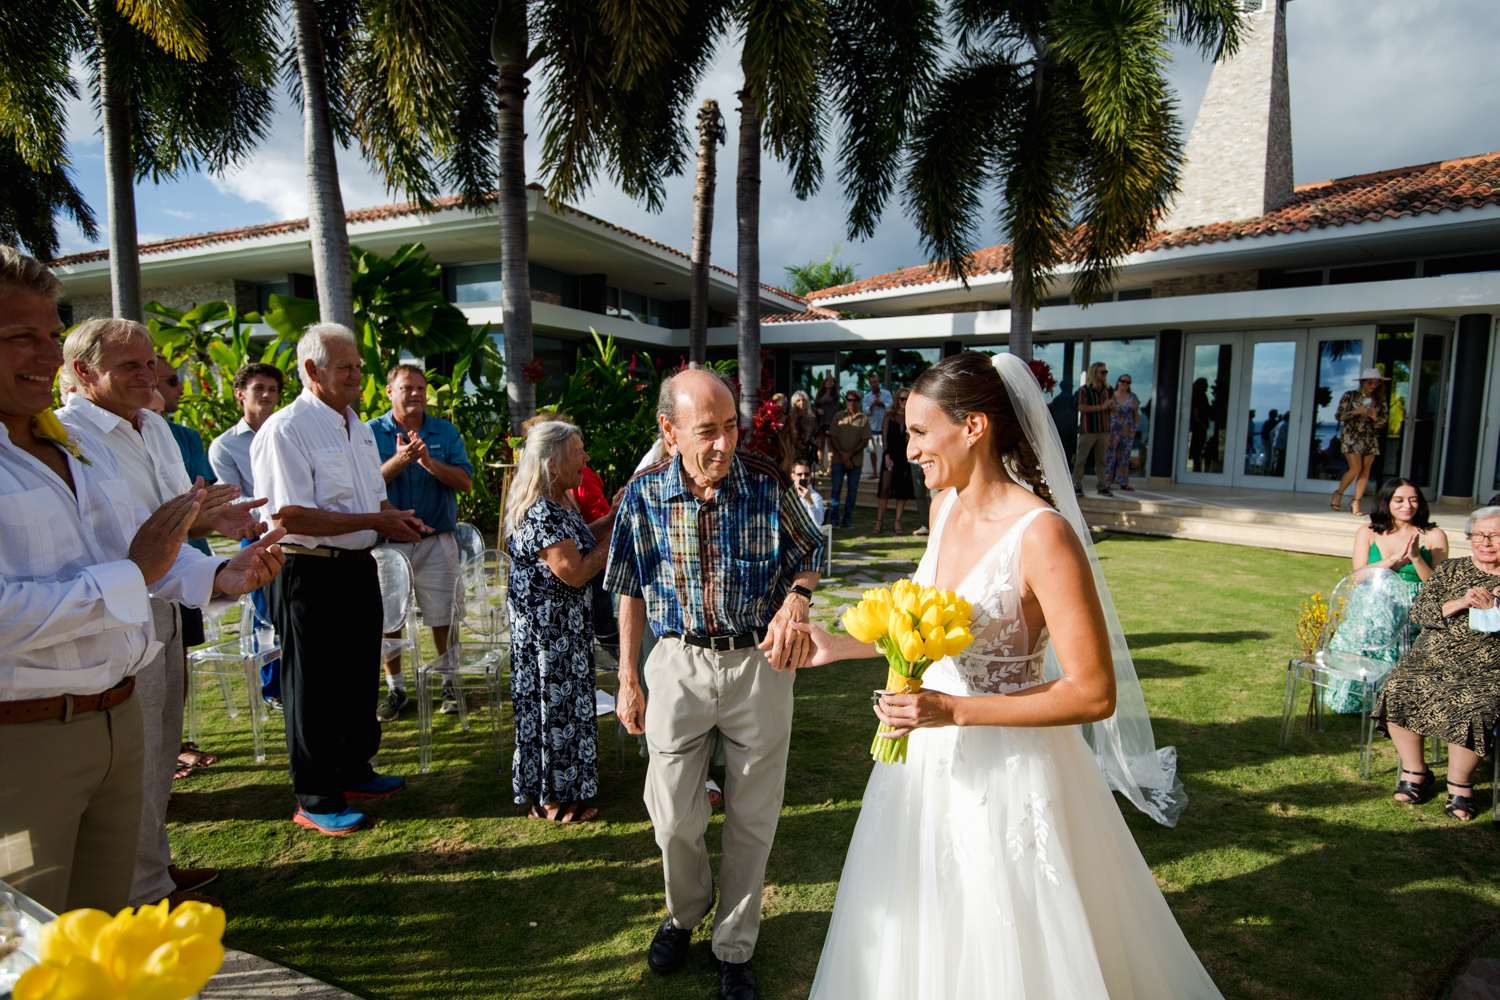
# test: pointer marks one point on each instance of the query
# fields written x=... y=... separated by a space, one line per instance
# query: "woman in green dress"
x=1448 y=685
x=1402 y=538
x=1363 y=412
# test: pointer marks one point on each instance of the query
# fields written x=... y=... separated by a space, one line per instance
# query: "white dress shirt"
x=306 y=455
x=230 y=456
x=814 y=505
x=146 y=450
x=875 y=407
x=74 y=616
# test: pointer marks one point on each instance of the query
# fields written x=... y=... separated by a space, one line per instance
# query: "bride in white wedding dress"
x=995 y=863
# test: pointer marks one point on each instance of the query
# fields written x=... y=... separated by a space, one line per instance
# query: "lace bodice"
x=1003 y=658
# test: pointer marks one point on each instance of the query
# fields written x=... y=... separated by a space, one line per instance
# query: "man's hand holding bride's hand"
x=910 y=712
x=786 y=646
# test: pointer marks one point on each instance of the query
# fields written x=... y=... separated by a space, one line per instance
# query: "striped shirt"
x=711 y=567
x=1098 y=421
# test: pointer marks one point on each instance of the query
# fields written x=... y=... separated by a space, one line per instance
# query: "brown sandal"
x=568 y=812
x=190 y=754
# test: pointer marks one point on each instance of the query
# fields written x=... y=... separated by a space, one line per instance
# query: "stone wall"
x=241 y=293
x=1206 y=284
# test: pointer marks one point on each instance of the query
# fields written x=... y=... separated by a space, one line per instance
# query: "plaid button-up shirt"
x=711 y=567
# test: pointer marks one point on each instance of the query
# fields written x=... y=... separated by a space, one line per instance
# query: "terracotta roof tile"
x=375 y=214
x=1445 y=186
x=813 y=312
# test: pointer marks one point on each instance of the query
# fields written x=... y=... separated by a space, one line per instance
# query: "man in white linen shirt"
x=77 y=556
x=318 y=465
x=114 y=363
x=811 y=498
x=257 y=388
x=875 y=403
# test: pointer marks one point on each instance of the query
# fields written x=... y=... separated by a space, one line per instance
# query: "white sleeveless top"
x=1002 y=658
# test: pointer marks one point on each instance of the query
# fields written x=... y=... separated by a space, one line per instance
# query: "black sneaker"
x=395 y=701
x=1105 y=491
x=450 y=700
x=669 y=948
x=737 y=982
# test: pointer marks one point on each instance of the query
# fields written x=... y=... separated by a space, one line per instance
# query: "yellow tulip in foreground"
x=154 y=953
x=914 y=626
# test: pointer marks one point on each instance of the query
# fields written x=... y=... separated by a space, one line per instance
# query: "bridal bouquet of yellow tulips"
x=913 y=625
x=146 y=954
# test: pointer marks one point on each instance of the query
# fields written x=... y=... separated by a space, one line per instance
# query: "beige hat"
x=1372 y=373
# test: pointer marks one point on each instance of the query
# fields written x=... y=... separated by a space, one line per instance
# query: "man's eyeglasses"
x=1490 y=537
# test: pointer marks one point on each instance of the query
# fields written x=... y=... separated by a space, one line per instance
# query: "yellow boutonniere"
x=46 y=426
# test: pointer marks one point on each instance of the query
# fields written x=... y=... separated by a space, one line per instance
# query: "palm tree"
x=327 y=222
x=1063 y=107
x=710 y=137
x=180 y=86
x=818 y=274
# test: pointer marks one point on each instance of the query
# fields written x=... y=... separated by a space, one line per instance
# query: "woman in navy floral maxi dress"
x=556 y=761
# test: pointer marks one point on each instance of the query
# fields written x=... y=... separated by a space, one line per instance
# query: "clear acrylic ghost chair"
x=226 y=658
x=478 y=654
x=470 y=543
x=1367 y=631
x=398 y=606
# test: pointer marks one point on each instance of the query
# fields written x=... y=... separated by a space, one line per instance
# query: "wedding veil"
x=1123 y=743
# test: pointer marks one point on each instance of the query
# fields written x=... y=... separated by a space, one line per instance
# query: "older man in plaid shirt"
x=718 y=555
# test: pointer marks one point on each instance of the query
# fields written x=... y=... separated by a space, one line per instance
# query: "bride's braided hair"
x=968 y=383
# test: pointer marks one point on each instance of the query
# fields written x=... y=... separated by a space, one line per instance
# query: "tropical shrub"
x=612 y=399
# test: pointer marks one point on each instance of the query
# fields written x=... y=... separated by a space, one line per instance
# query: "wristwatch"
x=802 y=591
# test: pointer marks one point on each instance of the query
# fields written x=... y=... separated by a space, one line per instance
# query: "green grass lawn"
x=1289 y=875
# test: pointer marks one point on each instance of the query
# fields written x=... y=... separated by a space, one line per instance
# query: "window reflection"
x=1208 y=408
x=1268 y=422
x=1338 y=364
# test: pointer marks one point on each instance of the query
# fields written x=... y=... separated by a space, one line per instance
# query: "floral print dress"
x=1123 y=421
x=1360 y=435
x=552 y=663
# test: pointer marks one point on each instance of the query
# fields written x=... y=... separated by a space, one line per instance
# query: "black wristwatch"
x=801 y=591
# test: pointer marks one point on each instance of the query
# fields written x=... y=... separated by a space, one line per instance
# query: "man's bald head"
x=698 y=415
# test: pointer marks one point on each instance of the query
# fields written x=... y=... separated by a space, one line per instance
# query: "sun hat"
x=1372 y=373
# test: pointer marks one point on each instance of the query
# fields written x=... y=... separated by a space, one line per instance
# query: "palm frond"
x=1216 y=27
x=786 y=42
x=340 y=26
x=31 y=199
x=37 y=38
x=174 y=25
x=882 y=61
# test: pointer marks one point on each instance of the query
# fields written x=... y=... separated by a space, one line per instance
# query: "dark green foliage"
x=611 y=396
x=819 y=274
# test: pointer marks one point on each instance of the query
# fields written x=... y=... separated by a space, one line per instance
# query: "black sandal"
x=1461 y=804
x=1419 y=793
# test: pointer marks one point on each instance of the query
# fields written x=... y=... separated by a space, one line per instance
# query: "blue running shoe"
x=378 y=787
x=334 y=824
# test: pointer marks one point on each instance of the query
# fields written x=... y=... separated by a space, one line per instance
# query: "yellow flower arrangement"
x=152 y=953
x=914 y=626
x=46 y=426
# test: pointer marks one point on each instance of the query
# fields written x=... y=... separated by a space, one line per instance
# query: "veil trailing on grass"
x=1124 y=744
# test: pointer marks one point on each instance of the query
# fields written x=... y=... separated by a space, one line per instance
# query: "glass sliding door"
x=1269 y=423
x=1394 y=343
x=1135 y=359
x=1426 y=404
x=1335 y=357
x=1208 y=408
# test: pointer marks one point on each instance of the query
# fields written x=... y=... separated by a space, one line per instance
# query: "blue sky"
x=1375 y=84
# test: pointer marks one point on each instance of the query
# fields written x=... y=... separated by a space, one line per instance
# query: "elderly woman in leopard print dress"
x=1448 y=684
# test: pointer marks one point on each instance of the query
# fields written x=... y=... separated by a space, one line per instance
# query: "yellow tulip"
x=859 y=623
x=956 y=640
x=73 y=933
x=898 y=623
x=911 y=646
x=177 y=969
x=129 y=939
x=195 y=918
x=935 y=645
x=904 y=595
x=75 y=978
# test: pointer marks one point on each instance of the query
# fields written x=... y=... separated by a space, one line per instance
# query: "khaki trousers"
x=70 y=807
x=694 y=691
x=1099 y=445
x=158 y=688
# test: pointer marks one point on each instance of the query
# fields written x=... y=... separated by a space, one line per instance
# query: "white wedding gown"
x=995 y=863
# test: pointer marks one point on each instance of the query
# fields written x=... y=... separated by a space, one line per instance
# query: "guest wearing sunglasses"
x=1123 y=421
x=848 y=439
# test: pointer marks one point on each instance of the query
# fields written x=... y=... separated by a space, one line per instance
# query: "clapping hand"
x=238 y=520
x=252 y=567
x=410 y=451
x=401 y=525
x=157 y=541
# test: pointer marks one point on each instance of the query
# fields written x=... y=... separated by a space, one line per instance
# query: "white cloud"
x=177 y=214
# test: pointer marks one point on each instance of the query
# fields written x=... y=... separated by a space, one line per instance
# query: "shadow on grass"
x=1157 y=669
x=1145 y=640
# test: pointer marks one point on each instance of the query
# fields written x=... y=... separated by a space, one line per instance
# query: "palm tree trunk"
x=124 y=251
x=710 y=133
x=747 y=219
x=1021 y=310
x=515 y=276
x=326 y=222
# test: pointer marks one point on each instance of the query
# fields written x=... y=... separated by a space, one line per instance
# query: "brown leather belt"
x=325 y=551
x=65 y=706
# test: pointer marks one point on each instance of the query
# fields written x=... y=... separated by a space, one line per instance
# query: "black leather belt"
x=328 y=552
x=721 y=643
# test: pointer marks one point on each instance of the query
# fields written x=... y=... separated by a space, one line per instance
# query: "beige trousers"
x=158 y=688
x=1098 y=444
x=694 y=691
x=70 y=807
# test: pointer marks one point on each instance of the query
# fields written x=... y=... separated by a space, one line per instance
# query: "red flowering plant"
x=765 y=431
x=1042 y=372
x=534 y=371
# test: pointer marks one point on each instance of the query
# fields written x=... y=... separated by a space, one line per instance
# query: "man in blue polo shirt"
x=425 y=467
